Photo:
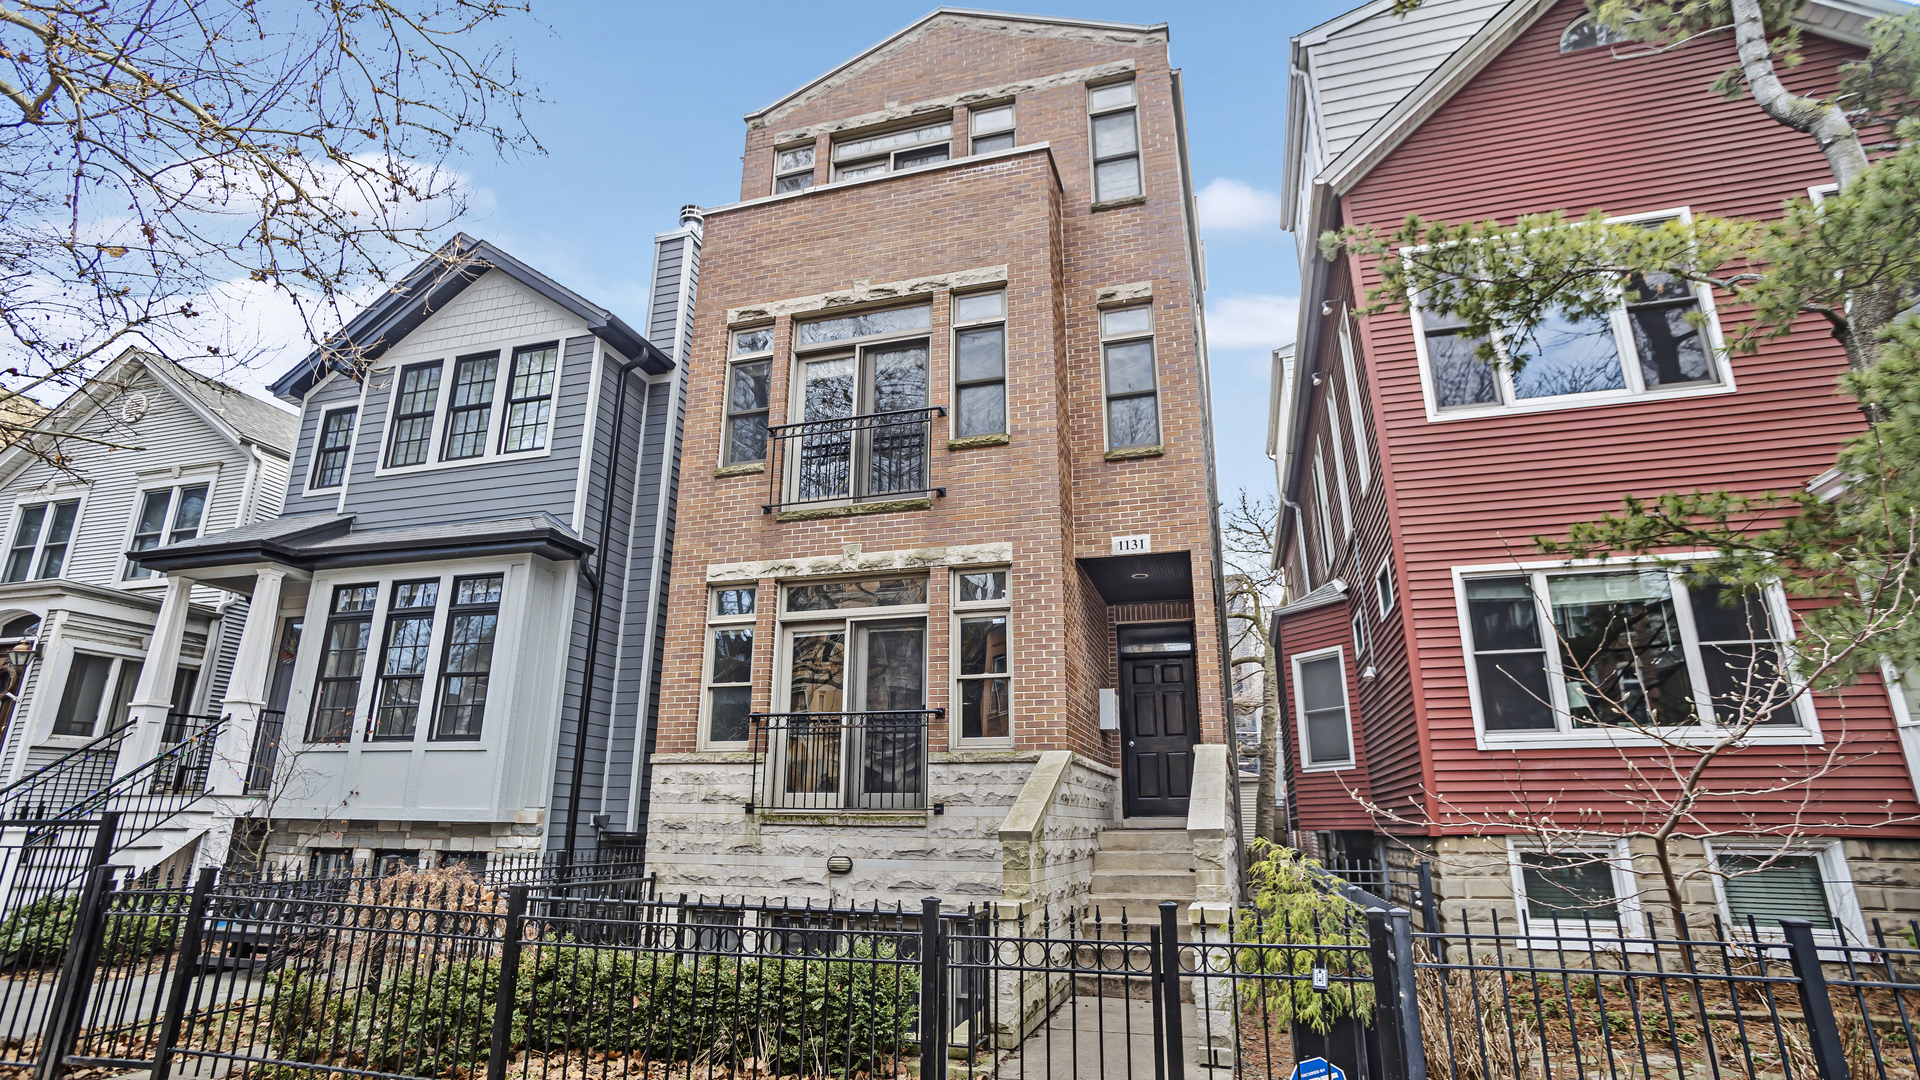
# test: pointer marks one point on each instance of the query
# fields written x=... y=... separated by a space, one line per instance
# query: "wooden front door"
x=1160 y=721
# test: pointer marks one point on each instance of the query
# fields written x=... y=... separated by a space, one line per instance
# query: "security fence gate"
x=584 y=976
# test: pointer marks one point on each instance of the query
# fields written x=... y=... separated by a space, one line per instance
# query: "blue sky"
x=641 y=113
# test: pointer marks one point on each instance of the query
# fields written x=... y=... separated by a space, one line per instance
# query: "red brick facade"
x=1049 y=492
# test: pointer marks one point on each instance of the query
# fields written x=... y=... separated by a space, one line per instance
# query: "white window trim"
x=1626 y=891
x=53 y=687
x=1835 y=875
x=1152 y=337
x=954 y=328
x=1300 y=710
x=205 y=474
x=726 y=394
x=958 y=610
x=1565 y=737
x=496 y=417
x=502 y=680
x=1338 y=441
x=62 y=493
x=1387 y=598
x=1139 y=147
x=1623 y=337
x=1362 y=633
x=727 y=622
x=1355 y=414
x=1323 y=515
x=313 y=452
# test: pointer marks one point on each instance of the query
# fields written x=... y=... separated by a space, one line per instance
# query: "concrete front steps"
x=1136 y=867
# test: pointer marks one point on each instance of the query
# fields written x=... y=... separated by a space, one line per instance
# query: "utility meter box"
x=1109 y=710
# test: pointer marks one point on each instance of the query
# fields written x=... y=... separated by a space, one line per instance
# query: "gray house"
x=455 y=632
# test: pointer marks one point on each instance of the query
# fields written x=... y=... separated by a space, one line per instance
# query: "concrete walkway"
x=1094 y=1038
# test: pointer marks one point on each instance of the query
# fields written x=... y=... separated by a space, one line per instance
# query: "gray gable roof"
x=257 y=421
x=429 y=287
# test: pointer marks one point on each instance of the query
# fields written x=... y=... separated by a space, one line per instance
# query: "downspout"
x=595 y=578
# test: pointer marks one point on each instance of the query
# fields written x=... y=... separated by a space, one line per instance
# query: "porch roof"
x=312 y=542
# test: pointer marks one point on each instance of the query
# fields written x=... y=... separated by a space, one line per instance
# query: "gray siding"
x=339 y=392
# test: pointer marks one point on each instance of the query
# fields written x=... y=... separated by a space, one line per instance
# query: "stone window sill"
x=1115 y=204
x=1133 y=452
x=861 y=818
x=744 y=469
x=855 y=510
x=972 y=441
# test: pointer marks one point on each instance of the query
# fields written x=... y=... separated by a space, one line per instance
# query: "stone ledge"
x=1133 y=453
x=846 y=818
x=855 y=510
x=1115 y=204
x=748 y=468
x=973 y=441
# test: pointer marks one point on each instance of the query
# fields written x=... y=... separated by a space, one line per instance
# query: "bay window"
x=343 y=655
x=403 y=660
x=1634 y=649
x=1320 y=695
x=86 y=708
x=473 y=619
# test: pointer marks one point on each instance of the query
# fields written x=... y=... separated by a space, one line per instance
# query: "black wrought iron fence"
x=841 y=761
x=44 y=871
x=855 y=459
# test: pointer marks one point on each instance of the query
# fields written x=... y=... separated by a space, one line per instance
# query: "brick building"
x=947 y=485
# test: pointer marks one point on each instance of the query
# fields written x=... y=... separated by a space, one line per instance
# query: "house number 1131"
x=1133 y=545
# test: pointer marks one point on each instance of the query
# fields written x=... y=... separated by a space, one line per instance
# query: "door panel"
x=809 y=755
x=891 y=750
x=1158 y=757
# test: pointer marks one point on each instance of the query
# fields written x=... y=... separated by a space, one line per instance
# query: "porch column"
x=247 y=686
x=153 y=694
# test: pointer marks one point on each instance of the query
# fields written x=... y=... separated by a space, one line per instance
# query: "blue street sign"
x=1317 y=1069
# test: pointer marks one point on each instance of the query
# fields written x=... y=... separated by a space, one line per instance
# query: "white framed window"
x=1758 y=882
x=1645 y=346
x=1362 y=639
x=479 y=406
x=1322 y=514
x=991 y=128
x=433 y=665
x=982 y=675
x=1609 y=651
x=332 y=448
x=416 y=399
x=892 y=151
x=1132 y=381
x=729 y=664
x=1383 y=587
x=1115 y=133
x=793 y=169
x=1338 y=443
x=96 y=694
x=1320 y=700
x=980 y=364
x=1351 y=369
x=42 y=533
x=165 y=516
x=1575 y=890
x=530 y=384
x=749 y=382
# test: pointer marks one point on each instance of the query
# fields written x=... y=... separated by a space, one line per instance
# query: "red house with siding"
x=1427 y=689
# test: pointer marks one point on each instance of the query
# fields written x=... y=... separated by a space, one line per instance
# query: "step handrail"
x=98 y=743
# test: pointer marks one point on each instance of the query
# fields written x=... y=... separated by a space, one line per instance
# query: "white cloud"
x=1229 y=206
x=1251 y=322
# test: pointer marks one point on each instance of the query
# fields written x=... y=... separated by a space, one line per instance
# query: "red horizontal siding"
x=1538 y=130
x=1324 y=800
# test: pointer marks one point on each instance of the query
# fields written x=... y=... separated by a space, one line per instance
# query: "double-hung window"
x=749 y=380
x=1320 y=695
x=1133 y=387
x=862 y=391
x=86 y=708
x=980 y=364
x=1760 y=884
x=530 y=398
x=343 y=656
x=991 y=128
x=1116 y=142
x=1658 y=338
x=466 y=660
x=730 y=616
x=167 y=516
x=793 y=169
x=1635 y=650
x=984 y=685
x=403 y=658
x=331 y=448
x=40 y=540
x=1574 y=891
x=873 y=155
x=470 y=407
x=413 y=409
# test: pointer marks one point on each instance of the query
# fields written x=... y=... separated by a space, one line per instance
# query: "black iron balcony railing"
x=841 y=761
x=879 y=457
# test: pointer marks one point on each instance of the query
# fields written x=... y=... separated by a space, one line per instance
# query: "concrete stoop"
x=1135 y=870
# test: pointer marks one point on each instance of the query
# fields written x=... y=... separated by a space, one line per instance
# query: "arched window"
x=1586 y=32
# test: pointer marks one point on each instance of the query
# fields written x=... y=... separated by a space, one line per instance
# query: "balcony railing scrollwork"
x=831 y=762
x=878 y=457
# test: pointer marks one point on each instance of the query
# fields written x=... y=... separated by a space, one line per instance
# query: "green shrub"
x=133 y=934
x=427 y=1023
x=39 y=932
x=1297 y=909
